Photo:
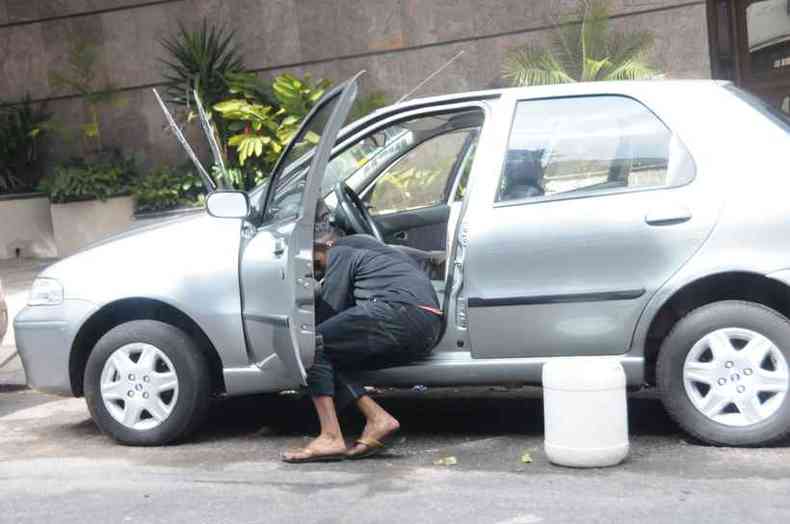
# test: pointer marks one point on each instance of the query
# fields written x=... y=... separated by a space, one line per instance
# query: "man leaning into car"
x=376 y=308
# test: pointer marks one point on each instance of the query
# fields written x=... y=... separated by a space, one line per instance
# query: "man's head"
x=324 y=237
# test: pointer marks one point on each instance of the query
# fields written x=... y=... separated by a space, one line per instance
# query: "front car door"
x=594 y=209
x=277 y=281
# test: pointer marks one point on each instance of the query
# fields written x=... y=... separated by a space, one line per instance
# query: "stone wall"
x=399 y=43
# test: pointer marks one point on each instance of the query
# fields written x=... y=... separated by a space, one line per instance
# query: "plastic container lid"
x=583 y=374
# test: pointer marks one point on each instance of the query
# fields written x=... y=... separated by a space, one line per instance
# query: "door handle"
x=401 y=235
x=668 y=216
x=279 y=247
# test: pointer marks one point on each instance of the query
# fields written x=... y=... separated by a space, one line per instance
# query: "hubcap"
x=736 y=377
x=139 y=386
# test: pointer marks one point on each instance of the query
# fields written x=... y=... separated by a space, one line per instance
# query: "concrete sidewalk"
x=17 y=276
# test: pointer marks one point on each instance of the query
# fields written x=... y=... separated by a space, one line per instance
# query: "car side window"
x=420 y=178
x=589 y=145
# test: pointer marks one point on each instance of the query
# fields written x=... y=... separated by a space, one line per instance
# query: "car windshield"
x=357 y=161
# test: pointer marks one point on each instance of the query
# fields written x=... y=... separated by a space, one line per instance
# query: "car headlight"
x=45 y=292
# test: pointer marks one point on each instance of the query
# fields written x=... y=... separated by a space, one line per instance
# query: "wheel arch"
x=731 y=285
x=137 y=308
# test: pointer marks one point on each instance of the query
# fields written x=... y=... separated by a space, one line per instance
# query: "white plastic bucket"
x=585 y=412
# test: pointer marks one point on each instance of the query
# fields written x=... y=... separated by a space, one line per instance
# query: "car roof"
x=571 y=89
x=635 y=88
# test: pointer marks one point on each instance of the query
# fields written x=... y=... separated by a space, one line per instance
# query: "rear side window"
x=594 y=144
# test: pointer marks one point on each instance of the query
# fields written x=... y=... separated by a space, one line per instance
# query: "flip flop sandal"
x=314 y=457
x=372 y=447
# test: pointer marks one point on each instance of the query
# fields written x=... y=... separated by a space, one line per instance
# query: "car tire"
x=714 y=383
x=159 y=398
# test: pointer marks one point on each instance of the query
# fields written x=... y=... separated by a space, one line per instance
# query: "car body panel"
x=42 y=335
x=152 y=264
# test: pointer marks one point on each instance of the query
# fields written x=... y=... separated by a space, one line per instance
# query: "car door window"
x=289 y=179
x=420 y=177
x=589 y=145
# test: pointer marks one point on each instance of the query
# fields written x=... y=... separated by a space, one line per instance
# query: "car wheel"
x=723 y=374
x=147 y=383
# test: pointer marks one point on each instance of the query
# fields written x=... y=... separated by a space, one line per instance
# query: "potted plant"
x=90 y=200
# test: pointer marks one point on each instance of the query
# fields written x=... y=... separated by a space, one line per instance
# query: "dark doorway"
x=750 y=45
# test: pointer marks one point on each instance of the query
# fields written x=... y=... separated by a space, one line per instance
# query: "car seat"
x=523 y=174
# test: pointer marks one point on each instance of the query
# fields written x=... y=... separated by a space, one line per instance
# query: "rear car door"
x=594 y=210
x=277 y=280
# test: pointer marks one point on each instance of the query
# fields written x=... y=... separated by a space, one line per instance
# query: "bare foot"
x=375 y=434
x=325 y=447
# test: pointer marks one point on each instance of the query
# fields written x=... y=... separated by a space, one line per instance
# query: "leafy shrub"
x=80 y=180
x=261 y=127
x=21 y=129
x=168 y=188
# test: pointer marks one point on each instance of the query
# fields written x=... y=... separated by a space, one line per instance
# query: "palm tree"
x=582 y=48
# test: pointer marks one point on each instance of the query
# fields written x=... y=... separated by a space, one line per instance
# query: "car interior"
x=405 y=186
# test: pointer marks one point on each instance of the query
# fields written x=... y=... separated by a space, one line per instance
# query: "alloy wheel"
x=736 y=377
x=139 y=386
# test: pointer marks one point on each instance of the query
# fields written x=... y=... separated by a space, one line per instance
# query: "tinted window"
x=585 y=144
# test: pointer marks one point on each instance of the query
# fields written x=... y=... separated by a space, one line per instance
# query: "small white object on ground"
x=585 y=412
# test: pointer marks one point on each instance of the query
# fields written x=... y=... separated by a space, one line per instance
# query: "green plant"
x=21 y=129
x=79 y=180
x=202 y=60
x=260 y=129
x=582 y=48
x=80 y=76
x=167 y=188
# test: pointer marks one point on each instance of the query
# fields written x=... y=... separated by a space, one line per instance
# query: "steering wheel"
x=355 y=212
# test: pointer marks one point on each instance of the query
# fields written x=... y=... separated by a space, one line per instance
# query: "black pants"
x=371 y=335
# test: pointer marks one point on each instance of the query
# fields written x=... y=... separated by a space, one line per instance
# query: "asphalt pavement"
x=56 y=467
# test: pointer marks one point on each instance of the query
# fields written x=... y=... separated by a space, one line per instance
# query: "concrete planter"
x=78 y=224
x=26 y=227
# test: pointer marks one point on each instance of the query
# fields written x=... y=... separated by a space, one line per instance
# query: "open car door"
x=277 y=280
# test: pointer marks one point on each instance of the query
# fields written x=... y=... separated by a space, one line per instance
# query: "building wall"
x=398 y=42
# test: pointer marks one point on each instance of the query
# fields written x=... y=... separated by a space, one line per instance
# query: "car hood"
x=143 y=229
x=149 y=260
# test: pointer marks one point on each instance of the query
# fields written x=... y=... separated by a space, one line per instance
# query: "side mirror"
x=228 y=204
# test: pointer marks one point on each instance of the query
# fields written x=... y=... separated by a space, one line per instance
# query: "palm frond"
x=632 y=70
x=582 y=48
x=594 y=28
x=534 y=66
x=201 y=59
x=628 y=56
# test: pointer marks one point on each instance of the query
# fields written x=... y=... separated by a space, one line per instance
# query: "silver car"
x=643 y=222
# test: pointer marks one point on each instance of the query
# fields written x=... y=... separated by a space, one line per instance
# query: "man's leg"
x=414 y=332
x=344 y=344
x=379 y=425
x=330 y=442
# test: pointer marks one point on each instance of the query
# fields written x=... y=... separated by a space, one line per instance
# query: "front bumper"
x=44 y=337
